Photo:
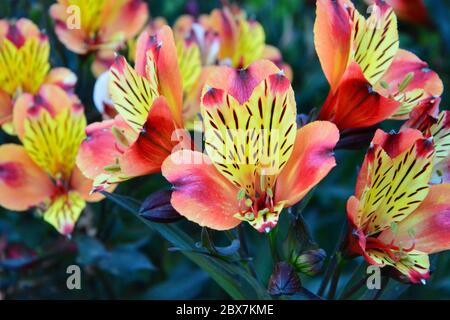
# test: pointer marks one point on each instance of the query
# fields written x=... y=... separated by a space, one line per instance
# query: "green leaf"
x=232 y=278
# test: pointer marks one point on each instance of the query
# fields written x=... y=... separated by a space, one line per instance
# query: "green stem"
x=273 y=246
x=333 y=262
x=336 y=276
x=243 y=250
x=328 y=273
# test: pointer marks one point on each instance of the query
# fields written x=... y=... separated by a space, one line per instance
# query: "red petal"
x=396 y=143
x=423 y=116
x=355 y=104
x=155 y=143
x=413 y=11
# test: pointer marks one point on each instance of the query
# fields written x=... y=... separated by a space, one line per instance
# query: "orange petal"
x=155 y=143
x=355 y=103
x=428 y=227
x=73 y=39
x=201 y=193
x=223 y=22
x=311 y=160
x=163 y=50
x=332 y=38
x=130 y=19
x=22 y=183
x=101 y=148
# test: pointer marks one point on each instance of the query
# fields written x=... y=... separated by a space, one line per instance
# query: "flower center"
x=259 y=210
x=394 y=252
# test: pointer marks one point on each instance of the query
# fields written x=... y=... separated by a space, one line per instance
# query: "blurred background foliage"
x=121 y=257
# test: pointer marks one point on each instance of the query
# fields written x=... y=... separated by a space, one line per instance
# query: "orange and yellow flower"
x=24 y=66
x=371 y=79
x=101 y=26
x=396 y=218
x=41 y=173
x=257 y=162
x=148 y=99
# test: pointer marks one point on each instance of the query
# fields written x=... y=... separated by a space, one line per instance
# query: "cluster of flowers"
x=217 y=69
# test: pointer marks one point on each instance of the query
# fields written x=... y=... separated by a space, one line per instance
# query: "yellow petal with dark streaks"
x=441 y=137
x=408 y=101
x=132 y=94
x=64 y=211
x=413 y=265
x=34 y=65
x=403 y=188
x=250 y=45
x=53 y=142
x=189 y=60
x=250 y=143
x=10 y=78
x=375 y=41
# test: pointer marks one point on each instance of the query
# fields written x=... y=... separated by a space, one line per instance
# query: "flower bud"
x=157 y=208
x=310 y=262
x=284 y=280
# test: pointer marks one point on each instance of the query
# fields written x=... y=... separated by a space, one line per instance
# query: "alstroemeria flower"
x=257 y=162
x=371 y=79
x=413 y=11
x=396 y=218
x=42 y=173
x=101 y=26
x=24 y=66
x=148 y=99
